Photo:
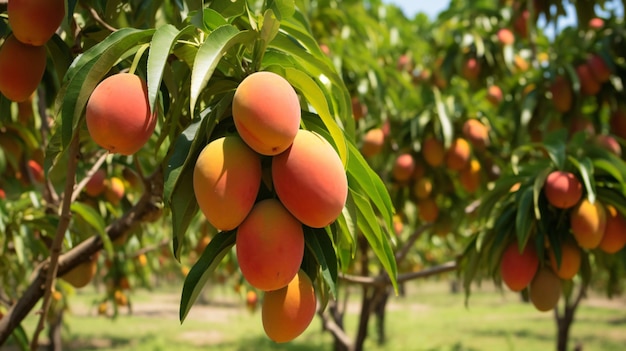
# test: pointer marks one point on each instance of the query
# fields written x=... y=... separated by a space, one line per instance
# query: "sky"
x=412 y=7
x=433 y=7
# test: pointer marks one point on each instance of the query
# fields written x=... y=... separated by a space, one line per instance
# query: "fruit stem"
x=137 y=58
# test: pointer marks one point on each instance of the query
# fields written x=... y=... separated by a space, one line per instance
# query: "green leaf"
x=178 y=190
x=555 y=144
x=202 y=270
x=524 y=219
x=282 y=8
x=179 y=174
x=610 y=168
x=231 y=8
x=314 y=96
x=613 y=197
x=318 y=241
x=90 y=215
x=19 y=247
x=20 y=337
x=371 y=184
x=347 y=232
x=503 y=224
x=270 y=28
x=500 y=191
x=208 y=20
x=360 y=175
x=95 y=220
x=537 y=187
x=60 y=55
x=444 y=120
x=70 y=5
x=285 y=49
x=368 y=224
x=162 y=43
x=585 y=167
x=297 y=30
x=604 y=160
x=210 y=53
x=528 y=107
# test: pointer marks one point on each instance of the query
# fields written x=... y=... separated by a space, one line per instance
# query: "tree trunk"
x=563 y=324
x=381 y=308
x=366 y=301
x=337 y=315
x=564 y=321
x=54 y=332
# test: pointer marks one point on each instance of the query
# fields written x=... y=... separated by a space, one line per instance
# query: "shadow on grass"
x=523 y=333
x=456 y=347
x=97 y=343
x=616 y=321
x=600 y=320
x=265 y=344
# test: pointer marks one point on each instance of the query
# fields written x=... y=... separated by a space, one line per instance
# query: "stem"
x=100 y=21
x=49 y=193
x=57 y=244
x=137 y=58
x=88 y=176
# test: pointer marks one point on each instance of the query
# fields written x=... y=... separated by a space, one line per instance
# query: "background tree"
x=476 y=141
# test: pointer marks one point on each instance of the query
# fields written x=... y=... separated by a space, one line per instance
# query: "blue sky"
x=434 y=7
x=429 y=7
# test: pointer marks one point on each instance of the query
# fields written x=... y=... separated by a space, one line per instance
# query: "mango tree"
x=147 y=93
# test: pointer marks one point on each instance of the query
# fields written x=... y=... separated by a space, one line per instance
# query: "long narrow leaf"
x=210 y=53
x=202 y=270
x=373 y=233
x=524 y=218
x=162 y=43
x=314 y=96
x=320 y=244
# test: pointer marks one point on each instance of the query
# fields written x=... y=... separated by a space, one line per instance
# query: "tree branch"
x=99 y=20
x=581 y=293
x=147 y=209
x=401 y=254
x=145 y=250
x=336 y=330
x=383 y=279
x=57 y=243
x=96 y=166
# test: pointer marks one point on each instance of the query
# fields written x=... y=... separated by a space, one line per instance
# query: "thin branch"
x=581 y=293
x=429 y=272
x=57 y=244
x=145 y=250
x=401 y=254
x=336 y=330
x=96 y=166
x=383 y=279
x=50 y=193
x=99 y=20
x=147 y=209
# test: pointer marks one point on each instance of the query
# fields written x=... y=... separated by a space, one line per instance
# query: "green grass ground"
x=429 y=318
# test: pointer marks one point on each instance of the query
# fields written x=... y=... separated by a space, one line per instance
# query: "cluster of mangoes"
x=308 y=187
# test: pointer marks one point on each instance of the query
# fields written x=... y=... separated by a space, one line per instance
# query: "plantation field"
x=429 y=318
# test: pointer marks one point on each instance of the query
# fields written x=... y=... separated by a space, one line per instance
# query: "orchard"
x=308 y=157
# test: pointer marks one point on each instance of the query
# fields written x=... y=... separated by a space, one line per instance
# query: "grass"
x=429 y=318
